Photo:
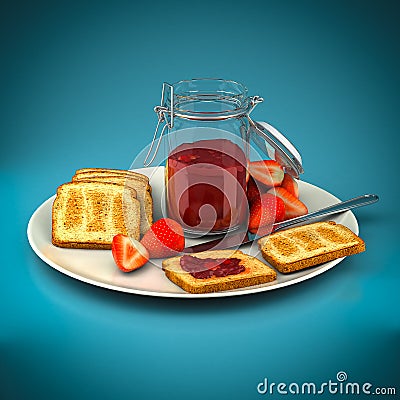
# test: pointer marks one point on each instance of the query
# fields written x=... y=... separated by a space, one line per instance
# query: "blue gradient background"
x=79 y=82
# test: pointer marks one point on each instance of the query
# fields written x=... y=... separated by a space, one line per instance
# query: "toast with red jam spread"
x=217 y=270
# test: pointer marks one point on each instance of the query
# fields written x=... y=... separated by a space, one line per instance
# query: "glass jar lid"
x=276 y=146
x=208 y=99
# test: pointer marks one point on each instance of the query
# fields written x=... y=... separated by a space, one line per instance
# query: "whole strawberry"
x=265 y=211
x=164 y=238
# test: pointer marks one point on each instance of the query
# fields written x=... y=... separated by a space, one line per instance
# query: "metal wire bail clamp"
x=163 y=113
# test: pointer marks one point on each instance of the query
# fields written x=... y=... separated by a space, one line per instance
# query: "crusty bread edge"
x=86 y=245
x=218 y=286
x=110 y=170
x=102 y=172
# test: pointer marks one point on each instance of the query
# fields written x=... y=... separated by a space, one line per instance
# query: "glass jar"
x=209 y=140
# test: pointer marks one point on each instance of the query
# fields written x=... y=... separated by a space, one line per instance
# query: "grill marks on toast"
x=90 y=210
x=308 y=242
x=309 y=245
x=97 y=206
x=331 y=234
x=89 y=214
x=136 y=181
x=72 y=207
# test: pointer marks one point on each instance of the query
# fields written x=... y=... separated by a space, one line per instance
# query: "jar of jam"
x=210 y=140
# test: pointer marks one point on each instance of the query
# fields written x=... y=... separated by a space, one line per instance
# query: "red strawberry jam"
x=206 y=187
x=203 y=268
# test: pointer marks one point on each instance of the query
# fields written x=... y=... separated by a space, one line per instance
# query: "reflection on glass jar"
x=208 y=146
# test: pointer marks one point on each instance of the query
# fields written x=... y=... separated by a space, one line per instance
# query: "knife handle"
x=333 y=209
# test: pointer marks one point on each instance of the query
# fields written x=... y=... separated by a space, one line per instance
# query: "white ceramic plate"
x=97 y=267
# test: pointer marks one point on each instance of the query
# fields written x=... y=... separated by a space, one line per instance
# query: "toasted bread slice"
x=305 y=246
x=138 y=182
x=255 y=273
x=109 y=171
x=89 y=214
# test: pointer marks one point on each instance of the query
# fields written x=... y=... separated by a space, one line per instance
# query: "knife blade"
x=241 y=237
x=228 y=241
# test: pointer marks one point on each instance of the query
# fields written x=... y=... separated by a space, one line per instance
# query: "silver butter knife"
x=241 y=238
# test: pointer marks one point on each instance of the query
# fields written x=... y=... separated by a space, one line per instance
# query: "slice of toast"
x=308 y=245
x=255 y=273
x=89 y=214
x=109 y=171
x=130 y=179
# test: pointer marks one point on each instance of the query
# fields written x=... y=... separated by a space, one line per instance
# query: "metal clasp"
x=164 y=114
x=254 y=100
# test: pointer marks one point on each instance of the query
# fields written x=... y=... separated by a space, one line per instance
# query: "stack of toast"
x=97 y=205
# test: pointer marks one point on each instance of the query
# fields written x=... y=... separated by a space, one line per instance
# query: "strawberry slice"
x=290 y=185
x=128 y=253
x=268 y=172
x=253 y=192
x=264 y=211
x=164 y=238
x=293 y=206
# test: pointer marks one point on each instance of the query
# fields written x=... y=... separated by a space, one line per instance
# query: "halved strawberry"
x=293 y=206
x=268 y=172
x=265 y=211
x=290 y=185
x=164 y=238
x=128 y=253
